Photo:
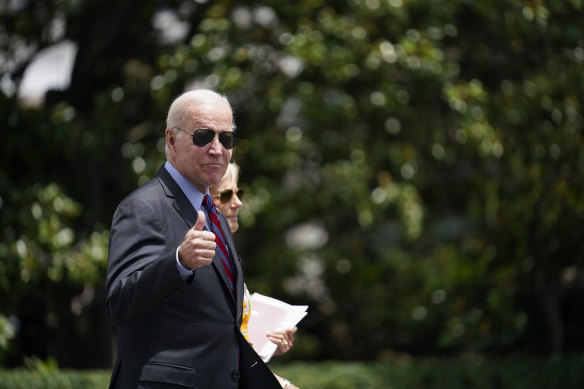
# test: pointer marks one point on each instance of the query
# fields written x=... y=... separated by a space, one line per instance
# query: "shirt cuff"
x=183 y=271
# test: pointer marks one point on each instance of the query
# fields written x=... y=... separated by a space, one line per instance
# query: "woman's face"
x=230 y=207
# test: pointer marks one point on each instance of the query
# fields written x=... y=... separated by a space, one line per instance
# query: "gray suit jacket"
x=173 y=333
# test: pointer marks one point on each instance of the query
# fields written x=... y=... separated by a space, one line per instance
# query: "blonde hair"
x=232 y=168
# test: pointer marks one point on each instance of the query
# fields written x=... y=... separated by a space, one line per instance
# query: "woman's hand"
x=284 y=340
x=286 y=383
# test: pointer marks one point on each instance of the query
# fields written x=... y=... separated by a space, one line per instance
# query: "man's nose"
x=215 y=145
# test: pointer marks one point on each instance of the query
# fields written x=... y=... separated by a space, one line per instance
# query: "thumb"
x=200 y=223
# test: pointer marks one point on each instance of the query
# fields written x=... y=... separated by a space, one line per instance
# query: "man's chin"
x=213 y=178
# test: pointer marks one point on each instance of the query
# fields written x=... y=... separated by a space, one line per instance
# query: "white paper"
x=269 y=315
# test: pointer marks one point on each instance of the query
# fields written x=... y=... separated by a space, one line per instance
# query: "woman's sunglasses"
x=227 y=194
x=204 y=136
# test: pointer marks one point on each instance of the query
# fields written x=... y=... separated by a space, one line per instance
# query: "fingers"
x=287 y=334
x=284 y=340
x=290 y=332
x=204 y=250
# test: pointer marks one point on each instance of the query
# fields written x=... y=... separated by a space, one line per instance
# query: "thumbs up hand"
x=198 y=246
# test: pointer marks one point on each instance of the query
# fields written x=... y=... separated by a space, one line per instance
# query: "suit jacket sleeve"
x=142 y=271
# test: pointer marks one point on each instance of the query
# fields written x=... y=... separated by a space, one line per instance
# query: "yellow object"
x=246 y=312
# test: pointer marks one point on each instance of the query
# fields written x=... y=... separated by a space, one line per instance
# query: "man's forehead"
x=209 y=116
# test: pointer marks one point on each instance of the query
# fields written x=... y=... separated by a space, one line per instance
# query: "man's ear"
x=170 y=136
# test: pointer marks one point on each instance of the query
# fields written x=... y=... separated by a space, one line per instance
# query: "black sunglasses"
x=204 y=136
x=227 y=194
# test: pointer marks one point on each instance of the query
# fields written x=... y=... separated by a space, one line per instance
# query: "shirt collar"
x=193 y=194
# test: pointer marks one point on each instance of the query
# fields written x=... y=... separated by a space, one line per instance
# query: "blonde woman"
x=228 y=198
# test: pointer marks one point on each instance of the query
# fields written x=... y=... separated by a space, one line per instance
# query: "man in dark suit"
x=174 y=280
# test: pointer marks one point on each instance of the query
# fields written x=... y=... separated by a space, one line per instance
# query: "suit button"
x=235 y=374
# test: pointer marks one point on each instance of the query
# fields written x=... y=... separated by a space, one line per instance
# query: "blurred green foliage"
x=446 y=373
x=546 y=373
x=413 y=168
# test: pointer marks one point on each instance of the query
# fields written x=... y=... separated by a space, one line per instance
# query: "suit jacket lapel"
x=180 y=201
